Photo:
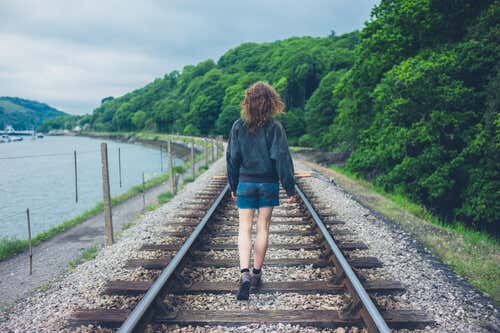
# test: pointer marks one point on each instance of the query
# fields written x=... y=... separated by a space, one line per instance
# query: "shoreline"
x=155 y=139
x=56 y=253
x=12 y=246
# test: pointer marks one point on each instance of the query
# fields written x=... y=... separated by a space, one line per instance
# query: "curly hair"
x=261 y=102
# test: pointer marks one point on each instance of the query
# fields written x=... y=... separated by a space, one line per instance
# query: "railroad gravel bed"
x=257 y=328
x=455 y=306
x=431 y=286
x=48 y=311
x=270 y=274
x=270 y=254
x=268 y=301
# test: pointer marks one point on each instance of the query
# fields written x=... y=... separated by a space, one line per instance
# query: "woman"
x=257 y=158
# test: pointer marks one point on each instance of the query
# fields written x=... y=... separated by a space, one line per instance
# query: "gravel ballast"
x=431 y=286
x=454 y=305
x=48 y=311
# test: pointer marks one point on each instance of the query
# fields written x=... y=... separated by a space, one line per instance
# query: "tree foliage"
x=413 y=98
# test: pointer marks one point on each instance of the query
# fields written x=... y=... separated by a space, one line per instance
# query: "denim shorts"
x=257 y=195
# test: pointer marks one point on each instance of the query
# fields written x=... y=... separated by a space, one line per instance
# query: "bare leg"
x=245 y=237
x=261 y=240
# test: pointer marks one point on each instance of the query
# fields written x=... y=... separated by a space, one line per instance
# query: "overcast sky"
x=70 y=54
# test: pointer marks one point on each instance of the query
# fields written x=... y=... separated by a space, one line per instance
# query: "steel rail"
x=375 y=316
x=135 y=317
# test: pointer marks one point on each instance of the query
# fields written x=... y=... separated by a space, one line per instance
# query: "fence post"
x=120 y=165
x=193 y=167
x=108 y=222
x=221 y=145
x=76 y=180
x=206 y=152
x=161 y=157
x=170 y=167
x=212 y=145
x=217 y=152
x=30 y=249
x=143 y=193
x=176 y=182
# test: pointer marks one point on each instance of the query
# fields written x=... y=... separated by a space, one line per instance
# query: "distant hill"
x=25 y=114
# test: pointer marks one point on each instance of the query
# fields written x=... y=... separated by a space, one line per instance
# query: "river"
x=40 y=175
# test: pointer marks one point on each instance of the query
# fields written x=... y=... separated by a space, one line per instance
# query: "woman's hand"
x=293 y=199
x=233 y=196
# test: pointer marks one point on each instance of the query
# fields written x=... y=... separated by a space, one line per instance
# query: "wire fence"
x=145 y=174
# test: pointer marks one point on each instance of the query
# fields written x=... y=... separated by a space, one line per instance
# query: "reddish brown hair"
x=261 y=102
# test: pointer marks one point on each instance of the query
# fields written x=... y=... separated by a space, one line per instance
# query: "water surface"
x=40 y=175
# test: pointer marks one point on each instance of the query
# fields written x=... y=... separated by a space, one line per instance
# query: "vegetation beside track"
x=472 y=254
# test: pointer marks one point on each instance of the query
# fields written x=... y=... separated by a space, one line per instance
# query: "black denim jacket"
x=259 y=157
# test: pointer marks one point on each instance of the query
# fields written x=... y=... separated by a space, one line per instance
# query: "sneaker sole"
x=244 y=291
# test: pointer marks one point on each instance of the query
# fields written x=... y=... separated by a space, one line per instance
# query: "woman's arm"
x=233 y=159
x=284 y=164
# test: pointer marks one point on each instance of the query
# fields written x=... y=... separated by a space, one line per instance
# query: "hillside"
x=25 y=114
x=412 y=99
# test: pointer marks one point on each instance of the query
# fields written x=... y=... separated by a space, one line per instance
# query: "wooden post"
x=161 y=157
x=143 y=193
x=120 y=165
x=76 y=180
x=193 y=161
x=170 y=167
x=108 y=222
x=217 y=148
x=220 y=146
x=206 y=152
x=30 y=249
x=176 y=178
x=213 y=149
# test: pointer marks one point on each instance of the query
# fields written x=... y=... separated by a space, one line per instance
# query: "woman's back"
x=261 y=155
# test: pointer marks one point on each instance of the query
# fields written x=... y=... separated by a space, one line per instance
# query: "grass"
x=44 y=287
x=473 y=255
x=87 y=255
x=165 y=197
x=12 y=246
x=295 y=149
x=188 y=180
x=151 y=136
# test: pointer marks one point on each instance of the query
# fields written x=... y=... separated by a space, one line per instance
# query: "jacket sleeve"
x=280 y=153
x=233 y=159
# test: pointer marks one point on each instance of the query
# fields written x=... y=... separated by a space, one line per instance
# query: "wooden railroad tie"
x=160 y=263
x=304 y=222
x=133 y=288
x=346 y=246
x=319 y=318
x=186 y=233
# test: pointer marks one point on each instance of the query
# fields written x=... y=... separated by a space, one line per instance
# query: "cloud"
x=71 y=54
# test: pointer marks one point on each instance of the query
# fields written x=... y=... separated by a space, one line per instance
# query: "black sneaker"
x=256 y=280
x=245 y=283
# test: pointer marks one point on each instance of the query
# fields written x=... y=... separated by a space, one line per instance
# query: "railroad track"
x=198 y=266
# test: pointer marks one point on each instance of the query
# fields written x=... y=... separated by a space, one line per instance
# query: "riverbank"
x=181 y=146
x=473 y=255
x=69 y=244
x=151 y=138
